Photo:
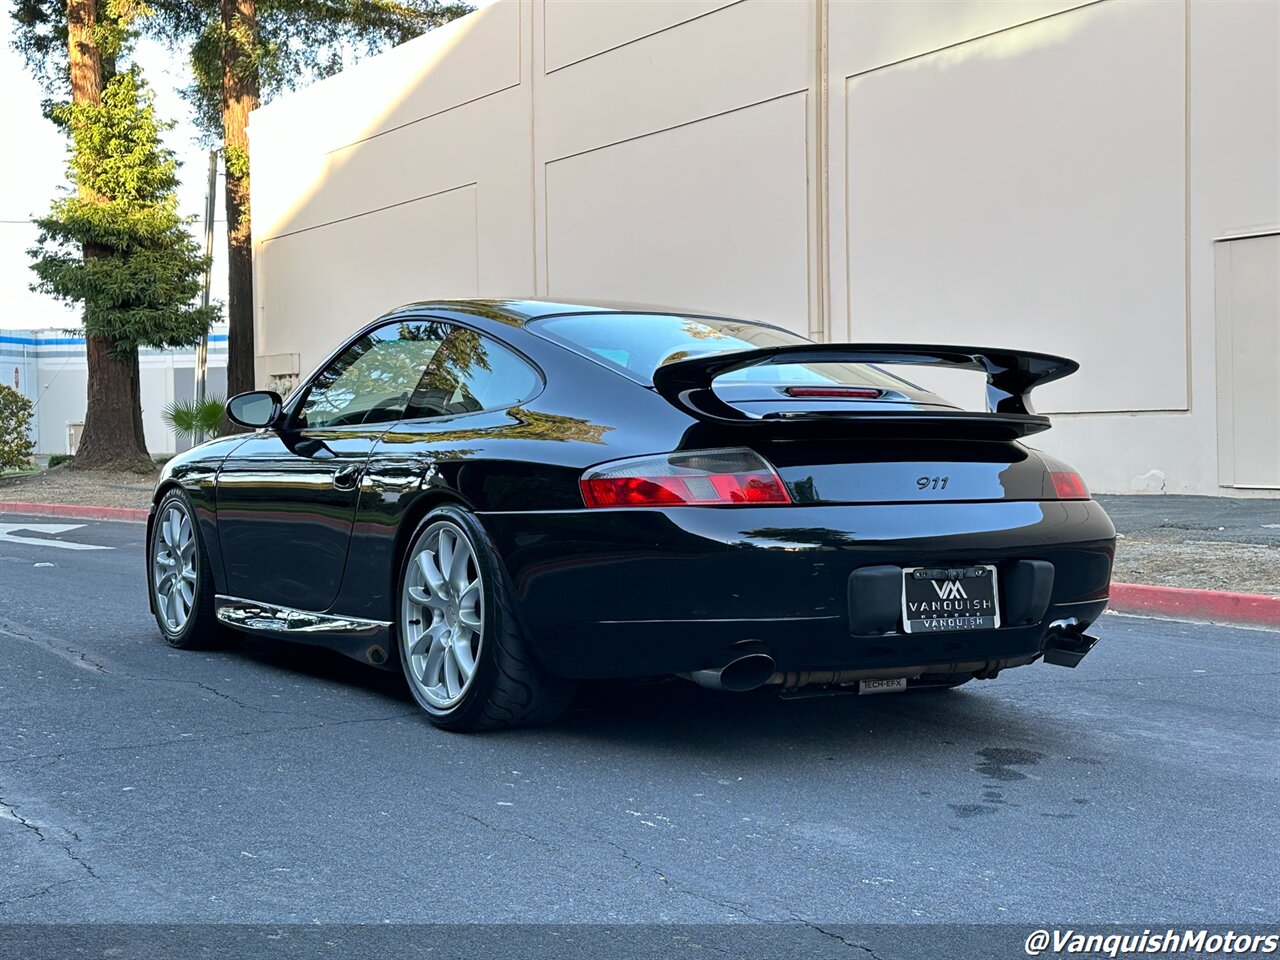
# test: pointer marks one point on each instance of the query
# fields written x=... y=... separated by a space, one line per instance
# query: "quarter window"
x=374 y=378
x=471 y=372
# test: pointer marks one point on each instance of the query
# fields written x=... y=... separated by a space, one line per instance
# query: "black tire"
x=510 y=687
x=201 y=629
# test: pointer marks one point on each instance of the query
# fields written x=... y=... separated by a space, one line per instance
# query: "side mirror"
x=256 y=409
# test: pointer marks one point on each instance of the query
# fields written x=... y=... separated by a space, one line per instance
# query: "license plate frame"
x=954 y=609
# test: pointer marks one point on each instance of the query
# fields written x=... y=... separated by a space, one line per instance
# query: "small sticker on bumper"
x=882 y=686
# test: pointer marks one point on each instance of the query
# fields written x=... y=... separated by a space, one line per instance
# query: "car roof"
x=520 y=311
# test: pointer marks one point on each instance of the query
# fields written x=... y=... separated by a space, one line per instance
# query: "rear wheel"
x=461 y=646
x=180 y=577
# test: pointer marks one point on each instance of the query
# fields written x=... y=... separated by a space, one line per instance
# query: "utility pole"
x=202 y=348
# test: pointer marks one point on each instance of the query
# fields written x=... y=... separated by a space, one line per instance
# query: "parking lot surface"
x=280 y=784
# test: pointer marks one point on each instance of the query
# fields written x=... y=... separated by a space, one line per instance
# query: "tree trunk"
x=112 y=436
x=240 y=92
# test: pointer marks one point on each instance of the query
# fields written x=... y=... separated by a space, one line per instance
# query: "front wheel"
x=464 y=654
x=180 y=578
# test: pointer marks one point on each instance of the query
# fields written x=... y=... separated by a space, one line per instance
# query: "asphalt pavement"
x=278 y=784
x=1245 y=520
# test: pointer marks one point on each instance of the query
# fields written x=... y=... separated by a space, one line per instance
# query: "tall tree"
x=118 y=247
x=244 y=50
x=241 y=90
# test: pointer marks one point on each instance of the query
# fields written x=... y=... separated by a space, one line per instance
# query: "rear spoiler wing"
x=1011 y=376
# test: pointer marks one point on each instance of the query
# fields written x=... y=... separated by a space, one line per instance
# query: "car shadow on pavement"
x=676 y=717
x=681 y=715
x=321 y=664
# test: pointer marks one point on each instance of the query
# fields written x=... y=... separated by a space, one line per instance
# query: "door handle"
x=348 y=477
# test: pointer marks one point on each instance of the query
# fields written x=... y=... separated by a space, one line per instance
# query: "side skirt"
x=365 y=640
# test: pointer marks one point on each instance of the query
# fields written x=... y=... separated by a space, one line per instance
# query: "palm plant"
x=195 y=419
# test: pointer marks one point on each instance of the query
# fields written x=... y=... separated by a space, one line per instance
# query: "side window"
x=373 y=379
x=470 y=372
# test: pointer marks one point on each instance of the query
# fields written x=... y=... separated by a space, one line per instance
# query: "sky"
x=33 y=171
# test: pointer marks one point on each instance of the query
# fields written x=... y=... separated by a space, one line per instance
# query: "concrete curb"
x=1252 y=609
x=131 y=514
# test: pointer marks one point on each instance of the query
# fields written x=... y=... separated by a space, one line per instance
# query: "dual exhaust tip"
x=749 y=667
x=1067 y=643
x=749 y=664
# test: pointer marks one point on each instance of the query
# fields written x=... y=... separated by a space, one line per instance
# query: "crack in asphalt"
x=218 y=739
x=78 y=658
x=9 y=811
x=681 y=889
x=214 y=690
x=619 y=849
x=43 y=891
x=636 y=863
x=675 y=887
x=81 y=658
x=839 y=939
x=639 y=864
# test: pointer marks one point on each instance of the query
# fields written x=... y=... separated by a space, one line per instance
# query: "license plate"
x=882 y=686
x=944 y=599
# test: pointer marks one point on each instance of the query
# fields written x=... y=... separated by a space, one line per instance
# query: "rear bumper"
x=625 y=593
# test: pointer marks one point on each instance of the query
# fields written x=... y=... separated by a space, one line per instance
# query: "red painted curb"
x=1254 y=609
x=70 y=510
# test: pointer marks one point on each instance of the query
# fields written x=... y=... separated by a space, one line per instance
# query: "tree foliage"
x=195 y=419
x=294 y=41
x=240 y=51
x=41 y=38
x=244 y=50
x=16 y=448
x=145 y=270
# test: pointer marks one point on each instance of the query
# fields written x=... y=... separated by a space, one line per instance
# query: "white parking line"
x=8 y=535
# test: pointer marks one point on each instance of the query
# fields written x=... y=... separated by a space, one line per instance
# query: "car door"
x=464 y=406
x=286 y=498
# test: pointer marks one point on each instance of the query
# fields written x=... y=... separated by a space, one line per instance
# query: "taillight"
x=835 y=393
x=736 y=476
x=1068 y=485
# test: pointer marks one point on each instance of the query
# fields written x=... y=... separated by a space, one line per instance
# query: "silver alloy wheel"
x=442 y=614
x=174 y=566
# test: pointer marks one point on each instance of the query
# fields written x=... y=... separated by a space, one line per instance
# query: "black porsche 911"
x=503 y=497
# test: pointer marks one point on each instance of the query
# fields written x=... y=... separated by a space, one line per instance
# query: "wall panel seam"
x=677 y=126
x=981 y=36
x=819 y=316
x=365 y=213
x=626 y=43
x=416 y=120
x=1186 y=208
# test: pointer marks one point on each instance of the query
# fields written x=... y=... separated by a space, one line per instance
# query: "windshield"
x=639 y=343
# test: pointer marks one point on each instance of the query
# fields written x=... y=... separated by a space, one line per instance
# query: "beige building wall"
x=1047 y=175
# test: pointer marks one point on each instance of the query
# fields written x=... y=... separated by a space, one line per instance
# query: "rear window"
x=637 y=344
